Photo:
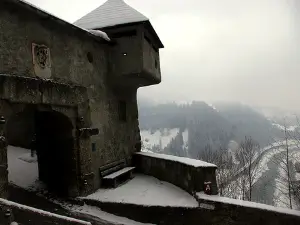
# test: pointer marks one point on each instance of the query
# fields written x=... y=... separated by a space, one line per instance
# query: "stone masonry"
x=49 y=65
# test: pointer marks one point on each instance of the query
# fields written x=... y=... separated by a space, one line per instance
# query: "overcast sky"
x=231 y=50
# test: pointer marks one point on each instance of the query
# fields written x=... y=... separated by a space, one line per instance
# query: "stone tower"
x=136 y=47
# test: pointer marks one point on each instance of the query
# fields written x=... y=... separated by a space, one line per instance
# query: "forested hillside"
x=185 y=129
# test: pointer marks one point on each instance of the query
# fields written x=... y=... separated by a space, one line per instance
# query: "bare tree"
x=288 y=167
x=283 y=186
x=225 y=171
x=209 y=155
x=287 y=188
x=296 y=191
x=248 y=156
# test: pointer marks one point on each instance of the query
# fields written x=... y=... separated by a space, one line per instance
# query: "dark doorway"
x=54 y=146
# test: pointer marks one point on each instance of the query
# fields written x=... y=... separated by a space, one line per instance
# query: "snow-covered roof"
x=111 y=13
x=44 y=13
x=187 y=161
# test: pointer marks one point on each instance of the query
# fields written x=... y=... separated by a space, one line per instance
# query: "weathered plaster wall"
x=69 y=64
x=116 y=139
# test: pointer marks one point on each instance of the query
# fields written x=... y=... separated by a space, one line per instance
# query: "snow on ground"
x=291 y=143
x=28 y=158
x=94 y=211
x=295 y=156
x=212 y=106
x=185 y=136
x=146 y=190
x=290 y=128
x=160 y=138
x=22 y=171
x=185 y=145
x=297 y=177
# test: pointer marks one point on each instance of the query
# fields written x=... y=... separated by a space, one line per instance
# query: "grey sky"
x=233 y=50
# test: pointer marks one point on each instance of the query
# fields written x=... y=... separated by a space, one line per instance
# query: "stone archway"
x=55 y=150
x=69 y=100
x=55 y=145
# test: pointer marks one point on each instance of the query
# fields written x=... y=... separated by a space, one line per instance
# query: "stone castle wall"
x=76 y=58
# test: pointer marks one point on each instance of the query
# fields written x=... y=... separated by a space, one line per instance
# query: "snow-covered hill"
x=162 y=140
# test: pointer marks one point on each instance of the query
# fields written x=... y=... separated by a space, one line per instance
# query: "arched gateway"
x=61 y=121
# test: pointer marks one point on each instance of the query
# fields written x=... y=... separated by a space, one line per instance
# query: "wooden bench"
x=115 y=173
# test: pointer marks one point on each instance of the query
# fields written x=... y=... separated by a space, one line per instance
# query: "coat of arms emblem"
x=41 y=60
x=41 y=56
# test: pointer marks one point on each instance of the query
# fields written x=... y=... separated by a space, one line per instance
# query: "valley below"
x=190 y=130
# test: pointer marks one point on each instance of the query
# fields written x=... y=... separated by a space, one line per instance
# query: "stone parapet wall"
x=188 y=174
x=13 y=212
x=231 y=211
x=208 y=212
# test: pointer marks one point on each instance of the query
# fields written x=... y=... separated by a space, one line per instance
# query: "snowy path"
x=23 y=173
x=87 y=213
x=146 y=190
x=22 y=168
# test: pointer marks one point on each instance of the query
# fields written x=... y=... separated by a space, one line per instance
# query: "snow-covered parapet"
x=188 y=174
x=250 y=210
x=36 y=216
x=99 y=33
x=183 y=160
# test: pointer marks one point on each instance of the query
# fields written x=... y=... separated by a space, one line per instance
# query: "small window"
x=93 y=147
x=123 y=111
